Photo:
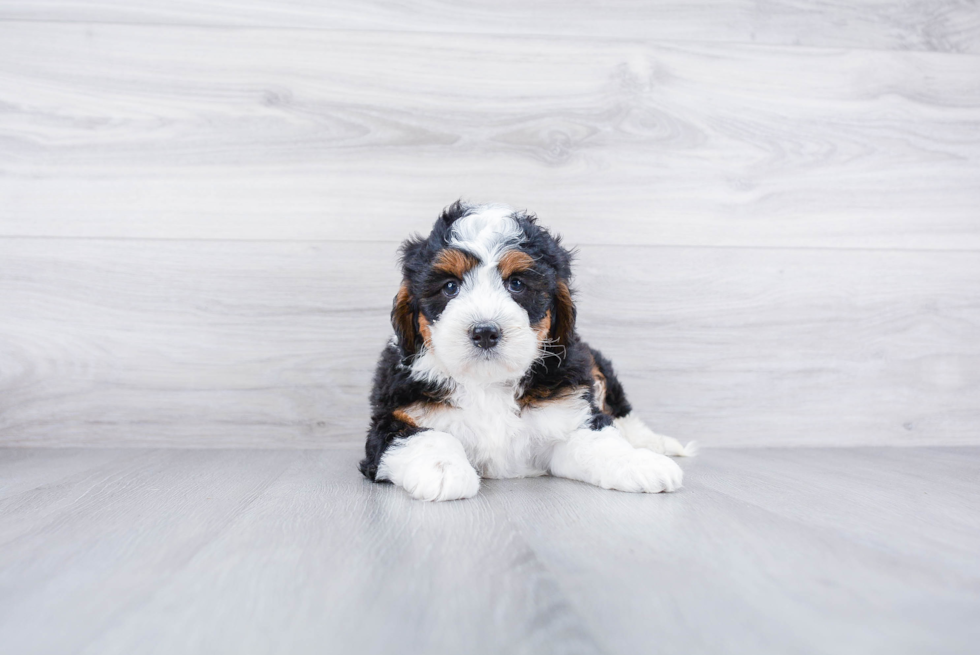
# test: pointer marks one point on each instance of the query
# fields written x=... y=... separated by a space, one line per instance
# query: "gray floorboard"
x=801 y=550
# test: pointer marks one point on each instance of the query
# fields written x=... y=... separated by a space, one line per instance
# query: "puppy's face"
x=484 y=296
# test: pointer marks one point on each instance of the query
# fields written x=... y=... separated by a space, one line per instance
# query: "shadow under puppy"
x=486 y=376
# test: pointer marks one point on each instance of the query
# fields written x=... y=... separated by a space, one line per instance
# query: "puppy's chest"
x=501 y=437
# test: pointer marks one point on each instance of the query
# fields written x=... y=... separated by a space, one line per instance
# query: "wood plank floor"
x=865 y=550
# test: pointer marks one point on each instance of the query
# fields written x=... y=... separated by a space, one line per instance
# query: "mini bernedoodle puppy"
x=486 y=377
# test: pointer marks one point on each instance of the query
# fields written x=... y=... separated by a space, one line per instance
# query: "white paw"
x=430 y=465
x=644 y=471
x=638 y=434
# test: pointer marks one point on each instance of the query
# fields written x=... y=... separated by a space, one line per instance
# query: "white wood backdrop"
x=777 y=206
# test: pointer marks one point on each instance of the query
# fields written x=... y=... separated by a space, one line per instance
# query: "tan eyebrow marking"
x=514 y=261
x=454 y=262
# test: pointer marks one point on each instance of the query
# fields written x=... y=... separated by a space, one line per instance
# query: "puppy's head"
x=484 y=296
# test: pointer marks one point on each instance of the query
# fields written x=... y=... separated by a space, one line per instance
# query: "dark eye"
x=451 y=289
x=515 y=285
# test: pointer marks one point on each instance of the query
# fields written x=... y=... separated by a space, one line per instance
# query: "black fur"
x=393 y=388
x=422 y=282
x=616 y=402
x=421 y=297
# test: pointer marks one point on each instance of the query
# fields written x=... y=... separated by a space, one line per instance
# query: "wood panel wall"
x=777 y=207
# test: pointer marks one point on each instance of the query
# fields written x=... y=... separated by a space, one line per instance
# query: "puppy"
x=486 y=376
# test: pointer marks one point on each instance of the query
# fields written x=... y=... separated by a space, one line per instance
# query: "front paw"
x=443 y=479
x=431 y=466
x=645 y=471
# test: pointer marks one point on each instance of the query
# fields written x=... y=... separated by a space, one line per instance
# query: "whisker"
x=548 y=348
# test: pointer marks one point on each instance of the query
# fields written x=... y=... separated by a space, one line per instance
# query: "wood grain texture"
x=257 y=551
x=276 y=342
x=27 y=469
x=209 y=343
x=181 y=132
x=786 y=551
x=942 y=25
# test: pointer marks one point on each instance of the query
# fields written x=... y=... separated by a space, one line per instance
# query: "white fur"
x=487 y=231
x=605 y=459
x=500 y=439
x=637 y=433
x=430 y=465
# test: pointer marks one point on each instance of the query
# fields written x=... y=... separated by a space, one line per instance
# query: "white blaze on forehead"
x=487 y=231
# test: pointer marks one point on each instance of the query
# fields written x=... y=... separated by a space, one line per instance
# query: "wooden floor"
x=864 y=550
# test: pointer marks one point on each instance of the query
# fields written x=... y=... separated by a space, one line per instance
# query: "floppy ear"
x=404 y=308
x=404 y=321
x=563 y=325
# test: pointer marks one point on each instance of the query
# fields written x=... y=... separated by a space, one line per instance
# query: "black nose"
x=485 y=335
